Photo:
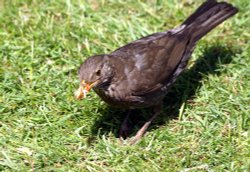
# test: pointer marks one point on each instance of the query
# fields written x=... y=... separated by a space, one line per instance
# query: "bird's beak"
x=84 y=88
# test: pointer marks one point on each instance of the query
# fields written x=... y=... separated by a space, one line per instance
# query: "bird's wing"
x=150 y=61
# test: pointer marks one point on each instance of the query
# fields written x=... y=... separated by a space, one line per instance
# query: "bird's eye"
x=98 y=72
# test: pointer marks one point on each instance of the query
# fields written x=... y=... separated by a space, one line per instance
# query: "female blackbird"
x=139 y=74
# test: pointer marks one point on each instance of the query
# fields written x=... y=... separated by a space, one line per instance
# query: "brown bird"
x=139 y=74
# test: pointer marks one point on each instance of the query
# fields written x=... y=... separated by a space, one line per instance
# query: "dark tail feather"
x=208 y=16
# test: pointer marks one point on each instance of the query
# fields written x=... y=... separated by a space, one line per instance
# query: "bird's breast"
x=116 y=98
x=110 y=96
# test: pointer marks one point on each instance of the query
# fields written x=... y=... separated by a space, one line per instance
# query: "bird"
x=140 y=74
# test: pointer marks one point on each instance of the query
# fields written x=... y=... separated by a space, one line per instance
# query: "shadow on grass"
x=182 y=90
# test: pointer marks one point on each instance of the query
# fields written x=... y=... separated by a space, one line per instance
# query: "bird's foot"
x=125 y=128
x=140 y=133
x=124 y=131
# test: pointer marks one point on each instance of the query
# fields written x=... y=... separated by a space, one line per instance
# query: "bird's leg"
x=157 y=110
x=123 y=133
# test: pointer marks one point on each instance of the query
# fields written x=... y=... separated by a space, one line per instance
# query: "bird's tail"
x=208 y=16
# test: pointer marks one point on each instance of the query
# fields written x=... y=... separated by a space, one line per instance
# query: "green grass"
x=206 y=119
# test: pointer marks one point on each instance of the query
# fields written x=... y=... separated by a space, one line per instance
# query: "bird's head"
x=96 y=72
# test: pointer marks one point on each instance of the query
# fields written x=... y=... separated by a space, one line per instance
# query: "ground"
x=206 y=118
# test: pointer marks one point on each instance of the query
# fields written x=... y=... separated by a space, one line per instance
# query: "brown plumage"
x=139 y=74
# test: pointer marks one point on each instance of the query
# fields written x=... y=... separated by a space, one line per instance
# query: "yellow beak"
x=84 y=88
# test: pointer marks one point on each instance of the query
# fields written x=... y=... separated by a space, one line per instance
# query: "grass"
x=206 y=119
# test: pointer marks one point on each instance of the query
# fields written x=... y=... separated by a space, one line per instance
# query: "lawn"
x=205 y=125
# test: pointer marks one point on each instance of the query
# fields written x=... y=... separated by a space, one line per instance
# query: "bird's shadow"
x=184 y=89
